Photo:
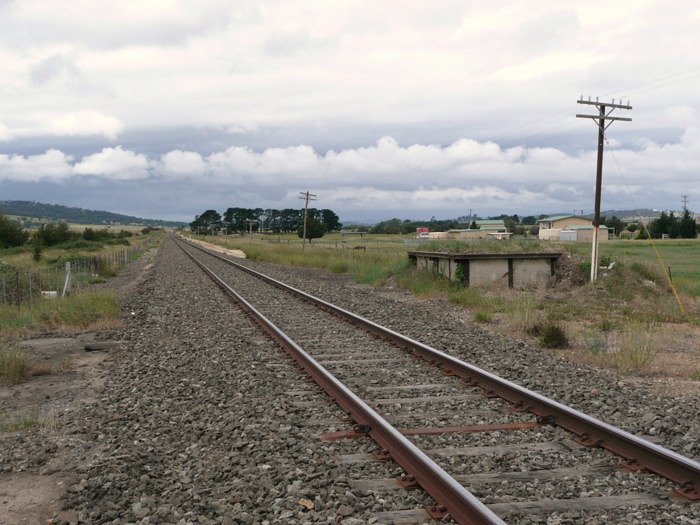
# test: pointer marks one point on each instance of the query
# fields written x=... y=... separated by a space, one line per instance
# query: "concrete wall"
x=492 y=273
x=549 y=234
x=488 y=273
x=587 y=235
x=473 y=234
x=530 y=273
x=437 y=235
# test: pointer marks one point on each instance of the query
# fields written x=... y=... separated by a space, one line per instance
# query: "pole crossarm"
x=597 y=102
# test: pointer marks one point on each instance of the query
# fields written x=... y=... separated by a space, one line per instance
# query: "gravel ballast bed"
x=611 y=485
x=673 y=423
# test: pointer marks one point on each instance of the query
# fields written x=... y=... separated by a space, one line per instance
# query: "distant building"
x=486 y=229
x=569 y=228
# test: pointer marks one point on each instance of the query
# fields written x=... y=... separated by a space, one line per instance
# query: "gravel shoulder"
x=36 y=462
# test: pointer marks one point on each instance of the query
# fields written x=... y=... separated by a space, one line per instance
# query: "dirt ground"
x=74 y=367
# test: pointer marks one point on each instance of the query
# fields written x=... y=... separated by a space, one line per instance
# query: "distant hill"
x=56 y=212
x=630 y=214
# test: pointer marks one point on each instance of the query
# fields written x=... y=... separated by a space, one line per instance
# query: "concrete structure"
x=499 y=270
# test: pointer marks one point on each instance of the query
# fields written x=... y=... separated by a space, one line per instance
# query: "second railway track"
x=507 y=458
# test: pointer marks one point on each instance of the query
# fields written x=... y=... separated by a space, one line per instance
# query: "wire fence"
x=20 y=287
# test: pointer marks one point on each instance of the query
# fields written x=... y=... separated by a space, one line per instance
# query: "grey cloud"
x=52 y=67
x=295 y=43
x=547 y=32
x=111 y=25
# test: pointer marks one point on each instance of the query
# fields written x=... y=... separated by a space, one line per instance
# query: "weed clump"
x=14 y=367
x=550 y=335
x=483 y=316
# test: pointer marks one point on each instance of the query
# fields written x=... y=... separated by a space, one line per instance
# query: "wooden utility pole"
x=306 y=196
x=684 y=201
x=603 y=121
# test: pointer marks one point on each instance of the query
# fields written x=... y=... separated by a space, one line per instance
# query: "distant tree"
x=687 y=228
x=661 y=226
x=315 y=229
x=632 y=227
x=331 y=220
x=89 y=234
x=207 y=222
x=613 y=223
x=11 y=233
x=54 y=233
x=528 y=219
x=473 y=226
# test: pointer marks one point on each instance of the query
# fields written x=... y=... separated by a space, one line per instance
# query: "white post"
x=594 y=255
x=67 y=282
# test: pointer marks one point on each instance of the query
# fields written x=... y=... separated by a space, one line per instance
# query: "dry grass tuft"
x=16 y=367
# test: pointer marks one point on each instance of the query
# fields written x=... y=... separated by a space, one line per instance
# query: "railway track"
x=457 y=418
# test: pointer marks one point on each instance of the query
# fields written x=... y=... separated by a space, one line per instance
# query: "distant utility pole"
x=684 y=201
x=603 y=121
x=250 y=225
x=306 y=196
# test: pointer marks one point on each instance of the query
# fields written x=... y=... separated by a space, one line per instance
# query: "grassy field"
x=92 y=309
x=682 y=256
x=629 y=321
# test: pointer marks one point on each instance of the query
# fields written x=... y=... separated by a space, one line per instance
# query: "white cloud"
x=52 y=165
x=114 y=164
x=81 y=124
x=181 y=164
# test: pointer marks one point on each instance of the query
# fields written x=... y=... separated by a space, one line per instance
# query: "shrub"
x=54 y=233
x=11 y=233
x=37 y=251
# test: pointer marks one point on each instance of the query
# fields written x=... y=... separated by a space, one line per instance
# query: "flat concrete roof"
x=468 y=256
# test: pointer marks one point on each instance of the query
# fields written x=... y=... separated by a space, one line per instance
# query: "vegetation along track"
x=455 y=417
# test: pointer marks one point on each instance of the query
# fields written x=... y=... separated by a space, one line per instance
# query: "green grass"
x=483 y=316
x=14 y=425
x=681 y=255
x=89 y=309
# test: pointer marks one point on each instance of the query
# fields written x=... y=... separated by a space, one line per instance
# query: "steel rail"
x=640 y=453
x=461 y=504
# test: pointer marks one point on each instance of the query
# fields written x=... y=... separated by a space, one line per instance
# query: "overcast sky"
x=162 y=109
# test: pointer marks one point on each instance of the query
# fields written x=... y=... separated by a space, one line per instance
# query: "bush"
x=54 y=233
x=11 y=233
x=36 y=251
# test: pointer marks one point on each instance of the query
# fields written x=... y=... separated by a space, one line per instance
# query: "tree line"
x=14 y=235
x=683 y=227
x=258 y=220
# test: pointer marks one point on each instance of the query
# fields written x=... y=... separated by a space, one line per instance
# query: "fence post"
x=31 y=298
x=67 y=282
x=17 y=289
